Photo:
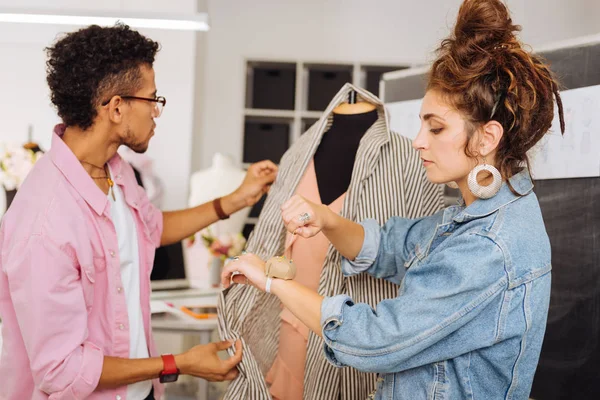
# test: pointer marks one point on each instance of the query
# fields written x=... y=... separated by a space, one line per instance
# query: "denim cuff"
x=368 y=252
x=332 y=317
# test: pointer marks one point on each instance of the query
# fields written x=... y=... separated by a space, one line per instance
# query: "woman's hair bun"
x=485 y=24
x=484 y=72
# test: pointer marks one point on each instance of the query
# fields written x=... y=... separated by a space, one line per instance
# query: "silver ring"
x=304 y=218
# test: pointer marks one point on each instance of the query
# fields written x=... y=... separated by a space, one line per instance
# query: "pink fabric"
x=286 y=376
x=61 y=301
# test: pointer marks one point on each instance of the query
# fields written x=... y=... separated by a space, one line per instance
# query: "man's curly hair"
x=89 y=66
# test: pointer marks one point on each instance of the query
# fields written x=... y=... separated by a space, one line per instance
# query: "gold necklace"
x=110 y=182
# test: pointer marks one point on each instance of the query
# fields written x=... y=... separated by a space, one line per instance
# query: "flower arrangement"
x=222 y=246
x=15 y=163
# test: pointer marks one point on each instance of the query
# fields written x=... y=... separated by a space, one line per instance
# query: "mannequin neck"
x=357 y=108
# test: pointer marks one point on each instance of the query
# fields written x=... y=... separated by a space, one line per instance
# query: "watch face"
x=168 y=378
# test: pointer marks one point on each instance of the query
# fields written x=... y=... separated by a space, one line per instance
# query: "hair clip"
x=499 y=98
x=501 y=46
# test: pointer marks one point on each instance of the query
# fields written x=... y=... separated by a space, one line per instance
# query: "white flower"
x=225 y=239
x=238 y=243
x=15 y=164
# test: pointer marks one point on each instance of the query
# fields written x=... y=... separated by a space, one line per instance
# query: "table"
x=184 y=324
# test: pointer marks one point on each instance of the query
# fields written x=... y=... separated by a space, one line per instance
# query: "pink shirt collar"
x=71 y=168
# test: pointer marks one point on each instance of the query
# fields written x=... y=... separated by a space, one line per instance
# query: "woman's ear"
x=490 y=136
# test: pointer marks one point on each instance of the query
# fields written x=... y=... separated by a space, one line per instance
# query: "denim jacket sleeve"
x=434 y=317
x=386 y=250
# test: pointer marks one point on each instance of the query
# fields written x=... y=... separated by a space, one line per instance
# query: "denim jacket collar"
x=522 y=185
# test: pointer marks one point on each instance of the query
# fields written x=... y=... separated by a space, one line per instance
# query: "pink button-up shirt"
x=61 y=299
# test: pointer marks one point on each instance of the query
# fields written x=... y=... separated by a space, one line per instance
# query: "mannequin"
x=335 y=156
x=326 y=180
x=282 y=359
x=222 y=178
x=6 y=197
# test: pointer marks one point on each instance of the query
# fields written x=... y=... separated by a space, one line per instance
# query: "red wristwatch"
x=170 y=372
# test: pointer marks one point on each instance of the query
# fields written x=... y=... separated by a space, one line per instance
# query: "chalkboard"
x=569 y=366
x=569 y=363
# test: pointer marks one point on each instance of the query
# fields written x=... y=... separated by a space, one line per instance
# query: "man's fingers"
x=268 y=164
x=224 y=345
x=268 y=178
x=236 y=358
x=262 y=167
x=231 y=375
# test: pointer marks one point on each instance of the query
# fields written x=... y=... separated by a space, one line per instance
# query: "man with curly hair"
x=77 y=245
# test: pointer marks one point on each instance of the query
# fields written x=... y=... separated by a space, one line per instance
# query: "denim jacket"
x=470 y=315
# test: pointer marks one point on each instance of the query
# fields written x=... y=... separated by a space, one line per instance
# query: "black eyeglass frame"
x=158 y=99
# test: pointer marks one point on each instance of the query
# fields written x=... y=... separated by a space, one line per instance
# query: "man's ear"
x=115 y=109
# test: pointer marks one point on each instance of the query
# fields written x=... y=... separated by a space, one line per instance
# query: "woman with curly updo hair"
x=470 y=315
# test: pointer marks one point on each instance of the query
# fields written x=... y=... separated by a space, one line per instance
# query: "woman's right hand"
x=304 y=218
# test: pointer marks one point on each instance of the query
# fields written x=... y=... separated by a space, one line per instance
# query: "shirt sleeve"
x=433 y=319
x=47 y=294
x=387 y=250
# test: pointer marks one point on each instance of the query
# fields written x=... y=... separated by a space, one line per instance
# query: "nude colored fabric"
x=286 y=376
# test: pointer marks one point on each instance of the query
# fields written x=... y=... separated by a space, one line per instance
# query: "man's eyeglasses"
x=160 y=102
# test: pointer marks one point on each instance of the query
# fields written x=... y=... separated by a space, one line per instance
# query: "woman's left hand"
x=251 y=271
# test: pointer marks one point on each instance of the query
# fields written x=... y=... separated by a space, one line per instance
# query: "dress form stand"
x=335 y=156
x=353 y=106
x=31 y=145
x=7 y=196
x=220 y=179
x=325 y=181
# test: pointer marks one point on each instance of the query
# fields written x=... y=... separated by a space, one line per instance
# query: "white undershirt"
x=130 y=275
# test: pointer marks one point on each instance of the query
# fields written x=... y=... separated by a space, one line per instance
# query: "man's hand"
x=257 y=182
x=203 y=362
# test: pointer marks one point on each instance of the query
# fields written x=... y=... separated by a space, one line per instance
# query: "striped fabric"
x=387 y=180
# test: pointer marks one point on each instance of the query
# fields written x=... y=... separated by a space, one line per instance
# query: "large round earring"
x=484 y=192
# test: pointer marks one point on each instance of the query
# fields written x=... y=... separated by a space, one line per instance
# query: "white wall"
x=24 y=94
x=205 y=115
x=383 y=31
x=547 y=21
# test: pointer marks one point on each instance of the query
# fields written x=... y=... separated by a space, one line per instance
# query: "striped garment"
x=387 y=180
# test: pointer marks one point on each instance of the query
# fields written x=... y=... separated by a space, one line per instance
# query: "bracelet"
x=268 y=285
x=219 y=208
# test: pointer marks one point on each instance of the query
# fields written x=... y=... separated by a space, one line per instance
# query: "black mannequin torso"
x=334 y=159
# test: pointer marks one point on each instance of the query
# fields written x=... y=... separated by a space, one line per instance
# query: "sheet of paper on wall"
x=577 y=153
x=574 y=155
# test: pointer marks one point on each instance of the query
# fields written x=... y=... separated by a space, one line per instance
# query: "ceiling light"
x=185 y=22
